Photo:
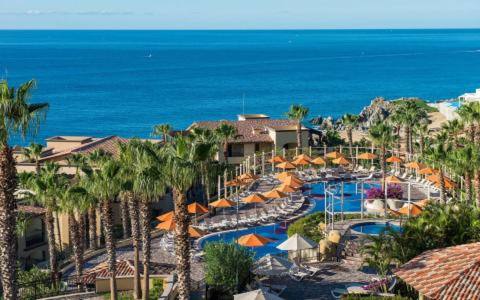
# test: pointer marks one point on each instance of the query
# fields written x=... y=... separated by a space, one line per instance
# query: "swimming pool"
x=277 y=232
x=374 y=228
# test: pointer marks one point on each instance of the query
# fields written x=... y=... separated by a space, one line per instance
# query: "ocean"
x=123 y=82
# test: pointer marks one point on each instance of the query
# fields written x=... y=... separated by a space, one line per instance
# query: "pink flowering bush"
x=394 y=192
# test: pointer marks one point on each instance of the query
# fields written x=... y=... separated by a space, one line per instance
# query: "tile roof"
x=125 y=268
x=108 y=144
x=30 y=209
x=447 y=273
x=251 y=130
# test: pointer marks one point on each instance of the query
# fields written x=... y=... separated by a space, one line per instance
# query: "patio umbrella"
x=318 y=161
x=274 y=194
x=284 y=175
x=415 y=165
x=254 y=198
x=284 y=188
x=341 y=161
x=256 y=295
x=247 y=177
x=293 y=183
x=411 y=209
x=449 y=184
x=285 y=165
x=296 y=242
x=196 y=208
x=367 y=156
x=222 y=203
x=423 y=203
x=271 y=265
x=394 y=159
x=165 y=217
x=428 y=171
x=168 y=225
x=233 y=182
x=277 y=159
x=292 y=178
x=193 y=232
x=334 y=155
x=303 y=156
x=301 y=162
x=253 y=240
x=392 y=179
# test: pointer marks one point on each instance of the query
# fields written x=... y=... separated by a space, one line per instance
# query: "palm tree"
x=46 y=186
x=421 y=130
x=381 y=136
x=469 y=115
x=463 y=162
x=438 y=154
x=17 y=115
x=453 y=128
x=395 y=119
x=411 y=113
x=72 y=201
x=181 y=170
x=106 y=186
x=350 y=122
x=225 y=132
x=162 y=130
x=149 y=184
x=33 y=153
x=298 y=113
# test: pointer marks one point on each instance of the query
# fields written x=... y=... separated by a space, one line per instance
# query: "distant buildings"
x=449 y=108
x=256 y=133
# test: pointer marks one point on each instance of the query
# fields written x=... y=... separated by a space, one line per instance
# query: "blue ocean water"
x=123 y=82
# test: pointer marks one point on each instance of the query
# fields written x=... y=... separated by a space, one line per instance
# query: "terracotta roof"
x=30 y=209
x=125 y=268
x=251 y=130
x=108 y=144
x=447 y=273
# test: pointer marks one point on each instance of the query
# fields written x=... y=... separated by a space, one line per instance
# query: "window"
x=235 y=150
x=257 y=147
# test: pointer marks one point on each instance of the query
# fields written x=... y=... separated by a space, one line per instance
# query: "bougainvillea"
x=394 y=191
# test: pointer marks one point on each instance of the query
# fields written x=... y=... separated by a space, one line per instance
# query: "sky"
x=238 y=14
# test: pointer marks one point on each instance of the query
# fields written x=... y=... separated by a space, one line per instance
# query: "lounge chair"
x=297 y=273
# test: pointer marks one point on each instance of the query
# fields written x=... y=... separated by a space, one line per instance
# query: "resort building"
x=449 y=108
x=470 y=97
x=32 y=245
x=257 y=133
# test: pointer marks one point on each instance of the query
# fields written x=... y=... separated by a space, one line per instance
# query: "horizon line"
x=237 y=29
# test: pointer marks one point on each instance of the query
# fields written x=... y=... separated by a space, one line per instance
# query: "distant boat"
x=149 y=56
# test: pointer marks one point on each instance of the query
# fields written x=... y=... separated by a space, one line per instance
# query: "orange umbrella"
x=166 y=216
x=291 y=181
x=392 y=179
x=412 y=209
x=286 y=188
x=301 y=162
x=195 y=232
x=277 y=159
x=393 y=212
x=427 y=171
x=284 y=175
x=253 y=240
x=367 y=156
x=334 y=155
x=303 y=156
x=222 y=203
x=247 y=177
x=292 y=178
x=254 y=198
x=318 y=161
x=394 y=159
x=196 y=208
x=449 y=184
x=285 y=165
x=167 y=225
x=274 y=194
x=234 y=182
x=341 y=161
x=415 y=165
x=423 y=203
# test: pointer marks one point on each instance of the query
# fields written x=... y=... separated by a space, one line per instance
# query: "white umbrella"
x=271 y=265
x=256 y=295
x=296 y=242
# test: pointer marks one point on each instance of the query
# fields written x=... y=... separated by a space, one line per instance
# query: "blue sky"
x=238 y=14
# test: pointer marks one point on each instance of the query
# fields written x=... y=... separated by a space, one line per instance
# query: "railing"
x=45 y=288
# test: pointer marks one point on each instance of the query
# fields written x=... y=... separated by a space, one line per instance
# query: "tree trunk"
x=468 y=187
x=476 y=179
x=422 y=144
x=82 y=231
x=124 y=213
x=145 y=217
x=76 y=246
x=299 y=137
x=107 y=218
x=52 y=248
x=384 y=177
x=92 y=228
x=350 y=146
x=134 y=222
x=57 y=224
x=182 y=245
x=407 y=139
x=397 y=131
x=8 y=254
x=441 y=177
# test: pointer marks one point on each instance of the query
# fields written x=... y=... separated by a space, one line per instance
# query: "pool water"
x=277 y=232
x=374 y=228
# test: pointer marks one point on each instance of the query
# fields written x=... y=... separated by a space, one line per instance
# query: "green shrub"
x=224 y=264
x=422 y=104
x=370 y=297
x=155 y=292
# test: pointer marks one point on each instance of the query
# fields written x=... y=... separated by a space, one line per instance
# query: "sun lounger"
x=297 y=273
